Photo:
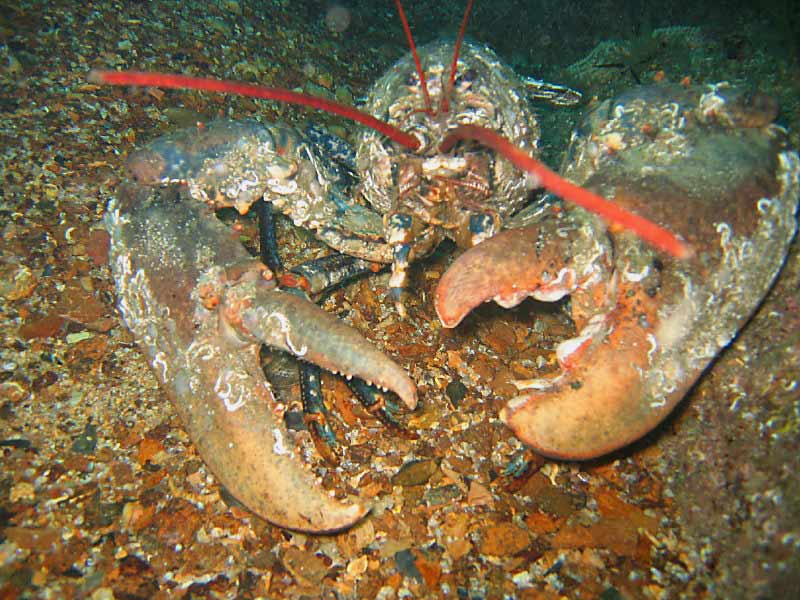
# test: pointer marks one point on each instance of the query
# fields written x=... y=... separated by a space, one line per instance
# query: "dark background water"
x=545 y=32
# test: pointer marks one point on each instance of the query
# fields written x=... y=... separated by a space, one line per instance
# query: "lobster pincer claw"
x=289 y=322
x=705 y=163
x=200 y=307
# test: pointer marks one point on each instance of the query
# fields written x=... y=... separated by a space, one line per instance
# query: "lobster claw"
x=648 y=325
x=200 y=307
x=598 y=403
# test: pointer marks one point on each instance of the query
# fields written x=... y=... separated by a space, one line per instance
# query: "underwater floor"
x=102 y=493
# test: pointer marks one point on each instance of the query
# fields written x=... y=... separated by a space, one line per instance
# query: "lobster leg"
x=200 y=307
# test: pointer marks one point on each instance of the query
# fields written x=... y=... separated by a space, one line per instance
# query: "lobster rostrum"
x=450 y=153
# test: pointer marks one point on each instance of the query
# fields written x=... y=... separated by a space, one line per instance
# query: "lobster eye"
x=466 y=79
x=412 y=80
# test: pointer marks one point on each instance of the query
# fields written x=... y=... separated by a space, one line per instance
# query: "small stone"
x=337 y=18
x=150 y=451
x=407 y=565
x=456 y=524
x=356 y=539
x=505 y=539
x=295 y=420
x=102 y=514
x=444 y=494
x=455 y=529
x=499 y=336
x=455 y=391
x=483 y=368
x=16 y=282
x=12 y=66
x=78 y=305
x=178 y=522
x=86 y=442
x=454 y=360
x=315 y=89
x=104 y=455
x=179 y=117
x=22 y=492
x=103 y=593
x=618 y=535
x=42 y=327
x=37 y=539
x=503 y=383
x=357 y=566
x=611 y=594
x=218 y=25
x=136 y=516
x=479 y=495
x=135 y=578
x=548 y=497
x=613 y=507
x=307 y=568
x=458 y=548
x=233 y=7
x=74 y=338
x=13 y=391
x=344 y=95
x=541 y=523
x=325 y=79
x=16 y=443
x=415 y=472
x=431 y=571
x=87 y=283
x=392 y=546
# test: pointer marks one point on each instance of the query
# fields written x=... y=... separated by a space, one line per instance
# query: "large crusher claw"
x=200 y=307
x=705 y=162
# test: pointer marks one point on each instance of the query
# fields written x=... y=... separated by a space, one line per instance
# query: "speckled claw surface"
x=705 y=163
x=200 y=307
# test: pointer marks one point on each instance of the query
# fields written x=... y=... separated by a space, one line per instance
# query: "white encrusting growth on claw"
x=279 y=447
x=233 y=395
x=569 y=347
x=201 y=349
x=675 y=323
x=593 y=329
x=653 y=347
x=633 y=276
x=562 y=285
x=159 y=360
x=507 y=300
x=717 y=303
x=284 y=327
x=282 y=186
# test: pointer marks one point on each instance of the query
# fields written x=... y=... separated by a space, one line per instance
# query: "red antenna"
x=651 y=233
x=413 y=47
x=445 y=104
x=184 y=82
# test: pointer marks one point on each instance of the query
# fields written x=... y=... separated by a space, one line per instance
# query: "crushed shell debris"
x=103 y=496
